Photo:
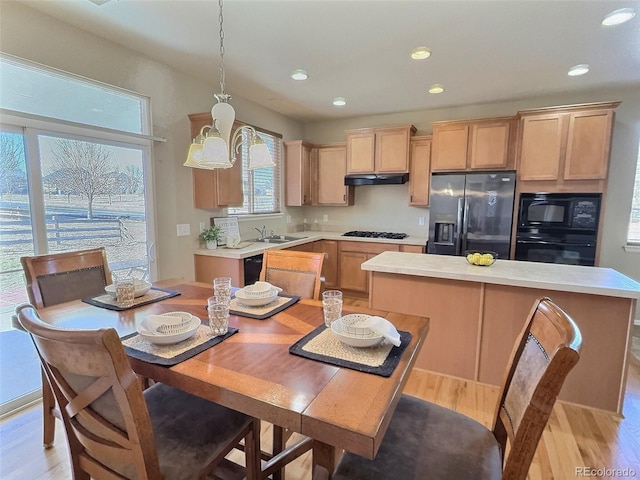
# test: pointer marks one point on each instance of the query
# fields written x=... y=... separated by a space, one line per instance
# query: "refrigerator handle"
x=459 y=226
x=465 y=226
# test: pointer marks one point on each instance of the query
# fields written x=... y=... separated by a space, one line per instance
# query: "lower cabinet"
x=352 y=256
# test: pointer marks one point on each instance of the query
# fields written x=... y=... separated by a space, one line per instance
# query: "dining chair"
x=425 y=440
x=116 y=430
x=297 y=273
x=57 y=278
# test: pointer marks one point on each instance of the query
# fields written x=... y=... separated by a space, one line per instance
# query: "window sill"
x=631 y=248
x=257 y=216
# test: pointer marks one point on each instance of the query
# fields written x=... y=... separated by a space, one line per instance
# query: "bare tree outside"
x=12 y=173
x=133 y=179
x=83 y=168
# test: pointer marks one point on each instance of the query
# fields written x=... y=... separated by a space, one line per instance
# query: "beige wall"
x=393 y=200
x=31 y=35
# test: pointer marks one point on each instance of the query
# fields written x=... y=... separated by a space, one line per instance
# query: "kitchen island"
x=477 y=312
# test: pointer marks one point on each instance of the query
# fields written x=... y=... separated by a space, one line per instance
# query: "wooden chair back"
x=61 y=277
x=105 y=415
x=548 y=348
x=297 y=273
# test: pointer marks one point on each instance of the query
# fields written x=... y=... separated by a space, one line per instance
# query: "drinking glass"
x=218 y=316
x=331 y=306
x=125 y=291
x=222 y=289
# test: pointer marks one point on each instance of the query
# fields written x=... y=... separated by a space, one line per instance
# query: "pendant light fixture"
x=212 y=149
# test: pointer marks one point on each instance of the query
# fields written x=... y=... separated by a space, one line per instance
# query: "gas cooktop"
x=360 y=233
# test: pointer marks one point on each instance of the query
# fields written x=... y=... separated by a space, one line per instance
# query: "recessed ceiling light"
x=299 y=75
x=578 y=70
x=420 y=53
x=436 y=88
x=339 y=101
x=618 y=16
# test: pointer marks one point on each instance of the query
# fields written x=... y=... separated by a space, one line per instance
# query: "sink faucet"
x=263 y=232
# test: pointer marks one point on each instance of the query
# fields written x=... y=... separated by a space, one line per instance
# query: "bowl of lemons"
x=481 y=258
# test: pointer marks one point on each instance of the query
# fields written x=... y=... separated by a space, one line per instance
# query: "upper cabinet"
x=214 y=188
x=559 y=145
x=379 y=150
x=419 y=171
x=485 y=144
x=297 y=168
x=330 y=168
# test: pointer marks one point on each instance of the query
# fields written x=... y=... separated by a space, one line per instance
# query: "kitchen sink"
x=275 y=239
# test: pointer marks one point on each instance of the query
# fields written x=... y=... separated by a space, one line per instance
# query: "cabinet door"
x=330 y=266
x=540 y=147
x=419 y=174
x=489 y=145
x=352 y=277
x=297 y=173
x=588 y=145
x=360 y=151
x=331 y=169
x=449 y=147
x=214 y=188
x=392 y=150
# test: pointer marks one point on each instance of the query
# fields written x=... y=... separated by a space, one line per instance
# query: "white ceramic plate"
x=141 y=286
x=370 y=340
x=170 y=339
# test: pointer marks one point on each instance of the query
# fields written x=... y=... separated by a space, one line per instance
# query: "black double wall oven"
x=558 y=227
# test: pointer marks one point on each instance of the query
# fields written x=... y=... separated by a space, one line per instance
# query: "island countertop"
x=558 y=277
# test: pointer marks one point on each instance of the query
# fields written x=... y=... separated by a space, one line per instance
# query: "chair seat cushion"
x=189 y=431
x=426 y=441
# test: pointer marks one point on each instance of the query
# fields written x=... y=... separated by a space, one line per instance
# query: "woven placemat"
x=322 y=345
x=154 y=294
x=283 y=301
x=168 y=355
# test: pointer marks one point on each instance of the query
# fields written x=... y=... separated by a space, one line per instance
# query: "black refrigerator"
x=471 y=211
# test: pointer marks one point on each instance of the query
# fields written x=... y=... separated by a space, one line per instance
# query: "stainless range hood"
x=376 y=179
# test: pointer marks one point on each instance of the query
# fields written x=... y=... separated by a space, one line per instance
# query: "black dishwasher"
x=252 y=268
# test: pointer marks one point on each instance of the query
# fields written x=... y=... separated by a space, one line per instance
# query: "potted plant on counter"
x=211 y=236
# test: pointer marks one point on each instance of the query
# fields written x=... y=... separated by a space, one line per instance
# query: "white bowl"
x=259 y=290
x=352 y=324
x=159 y=339
x=141 y=287
x=256 y=302
x=369 y=340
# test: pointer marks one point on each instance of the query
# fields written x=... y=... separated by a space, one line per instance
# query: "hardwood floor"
x=575 y=437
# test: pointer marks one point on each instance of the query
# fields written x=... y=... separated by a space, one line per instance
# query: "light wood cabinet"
x=352 y=255
x=330 y=266
x=484 y=144
x=379 y=150
x=330 y=168
x=568 y=143
x=420 y=171
x=214 y=188
x=297 y=172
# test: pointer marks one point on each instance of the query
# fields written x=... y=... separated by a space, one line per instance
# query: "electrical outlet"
x=325 y=218
x=288 y=218
x=183 y=229
x=202 y=226
x=420 y=220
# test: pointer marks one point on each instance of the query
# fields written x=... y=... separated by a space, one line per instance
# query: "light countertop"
x=257 y=248
x=564 y=278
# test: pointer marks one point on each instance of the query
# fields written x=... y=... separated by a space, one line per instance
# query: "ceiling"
x=482 y=51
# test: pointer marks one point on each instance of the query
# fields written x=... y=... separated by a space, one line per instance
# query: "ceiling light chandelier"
x=214 y=150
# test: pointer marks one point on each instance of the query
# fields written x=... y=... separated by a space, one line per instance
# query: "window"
x=74 y=173
x=261 y=187
x=633 y=237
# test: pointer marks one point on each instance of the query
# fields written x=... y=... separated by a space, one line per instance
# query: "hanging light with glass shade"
x=212 y=148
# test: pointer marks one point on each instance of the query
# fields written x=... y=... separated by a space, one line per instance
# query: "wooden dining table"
x=253 y=372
